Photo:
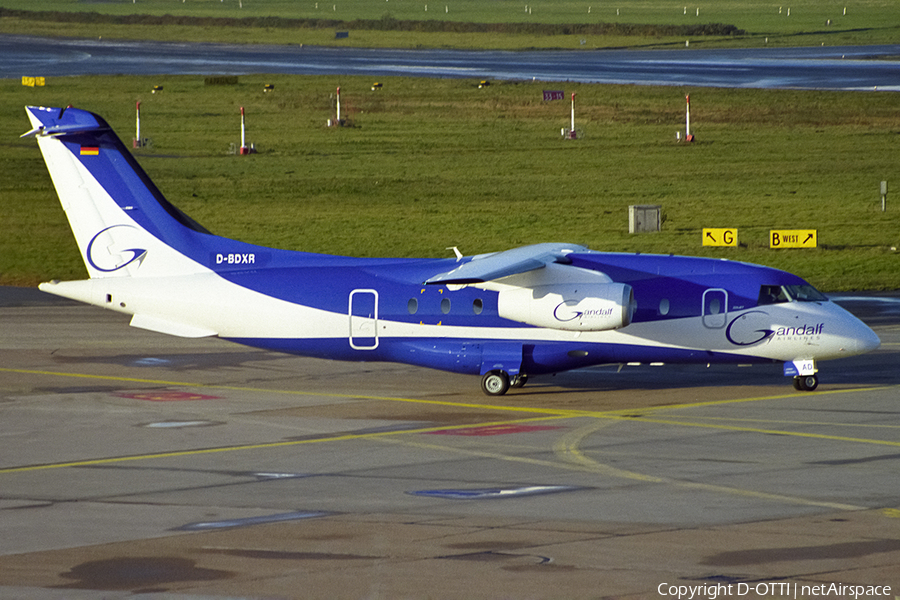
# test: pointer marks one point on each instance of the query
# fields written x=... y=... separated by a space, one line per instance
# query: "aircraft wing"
x=488 y=267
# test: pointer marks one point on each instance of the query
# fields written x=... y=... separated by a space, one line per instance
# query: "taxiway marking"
x=570 y=447
x=522 y=409
x=819 y=436
x=261 y=446
x=567 y=447
x=624 y=413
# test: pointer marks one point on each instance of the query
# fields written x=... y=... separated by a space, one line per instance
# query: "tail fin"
x=122 y=223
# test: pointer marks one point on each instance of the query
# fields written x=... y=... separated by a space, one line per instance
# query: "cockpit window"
x=775 y=294
x=772 y=294
x=805 y=293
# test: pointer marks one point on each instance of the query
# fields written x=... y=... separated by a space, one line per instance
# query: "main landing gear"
x=806 y=383
x=497 y=383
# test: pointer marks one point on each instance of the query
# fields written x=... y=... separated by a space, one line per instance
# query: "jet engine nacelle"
x=572 y=307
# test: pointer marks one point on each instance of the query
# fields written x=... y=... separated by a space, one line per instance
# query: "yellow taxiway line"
x=568 y=446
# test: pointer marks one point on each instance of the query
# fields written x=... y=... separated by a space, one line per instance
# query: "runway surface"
x=138 y=465
x=835 y=68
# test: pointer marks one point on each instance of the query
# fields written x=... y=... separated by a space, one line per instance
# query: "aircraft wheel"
x=495 y=383
x=810 y=382
x=806 y=383
x=518 y=381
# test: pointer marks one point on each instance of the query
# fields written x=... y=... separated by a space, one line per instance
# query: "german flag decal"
x=90 y=151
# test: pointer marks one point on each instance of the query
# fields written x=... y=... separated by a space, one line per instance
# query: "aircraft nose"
x=855 y=337
x=867 y=341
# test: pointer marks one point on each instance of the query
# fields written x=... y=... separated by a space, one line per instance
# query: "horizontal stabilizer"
x=170 y=327
x=489 y=267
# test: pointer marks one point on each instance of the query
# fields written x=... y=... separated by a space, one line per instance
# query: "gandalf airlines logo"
x=749 y=329
x=563 y=312
x=107 y=256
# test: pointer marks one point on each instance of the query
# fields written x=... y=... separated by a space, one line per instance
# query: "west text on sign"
x=793 y=238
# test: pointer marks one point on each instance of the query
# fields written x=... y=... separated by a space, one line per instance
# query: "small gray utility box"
x=644 y=217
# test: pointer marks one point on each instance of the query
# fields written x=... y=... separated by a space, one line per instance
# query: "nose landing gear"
x=806 y=383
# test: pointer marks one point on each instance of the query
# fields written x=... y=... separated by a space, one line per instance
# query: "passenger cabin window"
x=775 y=294
x=412 y=306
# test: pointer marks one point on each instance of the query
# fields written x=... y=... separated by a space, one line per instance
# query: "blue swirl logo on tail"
x=106 y=262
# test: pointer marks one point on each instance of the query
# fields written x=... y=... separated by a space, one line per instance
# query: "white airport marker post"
x=244 y=148
x=339 y=106
x=137 y=132
x=572 y=134
x=687 y=120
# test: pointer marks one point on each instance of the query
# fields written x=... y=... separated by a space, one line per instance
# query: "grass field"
x=754 y=16
x=800 y=22
x=430 y=164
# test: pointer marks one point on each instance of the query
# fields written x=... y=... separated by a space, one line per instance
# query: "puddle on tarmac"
x=137 y=573
x=842 y=551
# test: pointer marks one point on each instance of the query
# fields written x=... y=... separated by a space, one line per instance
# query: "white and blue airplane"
x=505 y=316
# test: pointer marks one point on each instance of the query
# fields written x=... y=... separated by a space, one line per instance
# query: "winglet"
x=61 y=121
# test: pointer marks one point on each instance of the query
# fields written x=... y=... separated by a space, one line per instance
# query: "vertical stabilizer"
x=122 y=223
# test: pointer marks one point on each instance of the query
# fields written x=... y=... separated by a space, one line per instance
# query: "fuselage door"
x=363 y=314
x=715 y=308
